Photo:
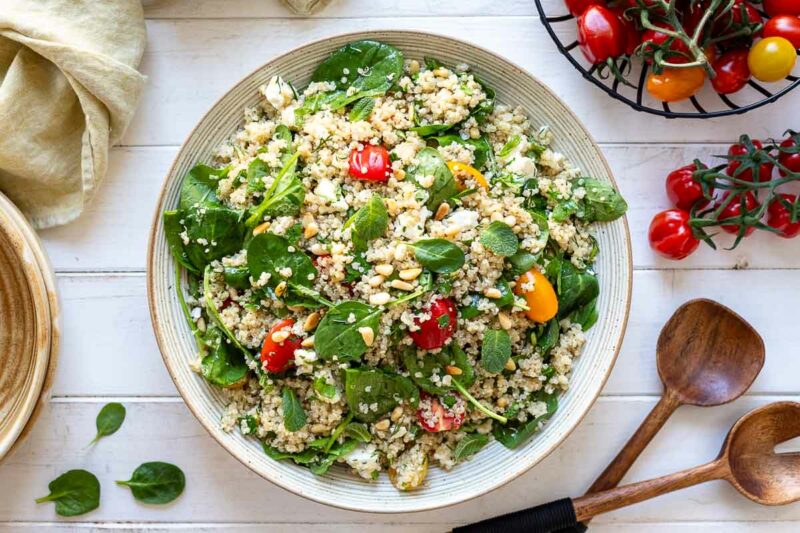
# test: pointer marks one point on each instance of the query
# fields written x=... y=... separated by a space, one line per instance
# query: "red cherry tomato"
x=371 y=164
x=735 y=18
x=278 y=356
x=782 y=7
x=632 y=35
x=671 y=236
x=786 y=26
x=732 y=71
x=434 y=416
x=648 y=3
x=788 y=159
x=683 y=190
x=765 y=169
x=734 y=209
x=601 y=35
x=434 y=331
x=780 y=218
x=692 y=16
x=577 y=7
x=653 y=40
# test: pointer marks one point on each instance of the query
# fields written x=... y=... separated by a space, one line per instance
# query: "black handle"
x=542 y=519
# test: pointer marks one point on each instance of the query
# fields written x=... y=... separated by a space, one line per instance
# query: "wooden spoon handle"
x=591 y=505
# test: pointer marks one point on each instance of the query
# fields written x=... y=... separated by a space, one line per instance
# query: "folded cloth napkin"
x=68 y=89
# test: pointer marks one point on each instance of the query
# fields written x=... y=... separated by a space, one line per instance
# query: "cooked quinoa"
x=389 y=269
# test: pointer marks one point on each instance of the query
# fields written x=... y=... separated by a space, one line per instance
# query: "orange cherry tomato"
x=675 y=84
x=542 y=301
x=456 y=167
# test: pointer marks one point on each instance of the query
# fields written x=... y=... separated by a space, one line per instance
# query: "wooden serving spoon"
x=748 y=461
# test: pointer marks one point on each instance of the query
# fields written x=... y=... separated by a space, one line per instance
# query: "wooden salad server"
x=748 y=461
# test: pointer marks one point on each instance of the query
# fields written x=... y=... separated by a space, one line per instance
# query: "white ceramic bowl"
x=492 y=466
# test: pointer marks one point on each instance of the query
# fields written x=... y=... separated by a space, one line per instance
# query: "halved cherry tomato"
x=734 y=209
x=732 y=71
x=371 y=163
x=790 y=160
x=278 y=356
x=675 y=84
x=601 y=35
x=780 y=218
x=764 y=169
x=786 y=26
x=541 y=299
x=434 y=416
x=782 y=7
x=652 y=40
x=671 y=236
x=632 y=35
x=772 y=59
x=456 y=167
x=577 y=7
x=683 y=190
x=434 y=331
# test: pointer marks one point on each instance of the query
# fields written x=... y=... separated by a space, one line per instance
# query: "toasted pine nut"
x=367 y=334
x=384 y=269
x=261 y=228
x=280 y=290
x=402 y=285
x=311 y=322
x=505 y=321
x=308 y=342
x=453 y=370
x=381 y=298
x=442 y=211
x=410 y=273
x=510 y=365
x=310 y=230
x=375 y=281
x=318 y=249
x=201 y=324
x=401 y=251
x=502 y=402
x=319 y=428
x=493 y=293
x=280 y=336
x=400 y=174
x=295 y=308
x=382 y=425
x=397 y=413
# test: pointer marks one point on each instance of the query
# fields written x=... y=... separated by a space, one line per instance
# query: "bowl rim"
x=214 y=430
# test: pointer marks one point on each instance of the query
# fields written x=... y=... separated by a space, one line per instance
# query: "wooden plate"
x=494 y=465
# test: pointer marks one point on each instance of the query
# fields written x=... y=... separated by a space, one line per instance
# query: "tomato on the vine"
x=734 y=209
x=741 y=13
x=671 y=236
x=371 y=163
x=683 y=190
x=577 y=7
x=786 y=26
x=434 y=415
x=632 y=35
x=652 y=40
x=732 y=71
x=601 y=35
x=772 y=59
x=675 y=84
x=782 y=7
x=764 y=169
x=779 y=216
x=439 y=325
x=278 y=355
x=790 y=160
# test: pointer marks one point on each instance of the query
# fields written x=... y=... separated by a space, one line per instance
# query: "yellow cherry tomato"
x=771 y=59
x=542 y=301
x=675 y=84
x=456 y=167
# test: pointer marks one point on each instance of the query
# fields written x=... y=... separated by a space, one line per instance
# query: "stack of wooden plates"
x=29 y=329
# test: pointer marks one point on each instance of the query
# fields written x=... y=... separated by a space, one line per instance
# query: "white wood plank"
x=214 y=54
x=221 y=490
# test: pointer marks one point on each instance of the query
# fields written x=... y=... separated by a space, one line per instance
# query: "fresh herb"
x=540 y=219
x=499 y=238
x=323 y=388
x=575 y=288
x=563 y=210
x=521 y=262
x=75 y=492
x=510 y=146
x=431 y=163
x=109 y=420
x=513 y=435
x=254 y=175
x=602 y=203
x=294 y=417
x=156 y=482
x=369 y=222
x=495 y=350
x=362 y=109
x=284 y=197
x=439 y=255
x=373 y=393
x=358 y=431
x=469 y=445
x=337 y=333
x=225 y=364
x=481 y=149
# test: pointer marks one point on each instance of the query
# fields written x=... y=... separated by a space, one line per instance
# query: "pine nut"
x=311 y=322
x=280 y=290
x=280 y=336
x=505 y=321
x=308 y=342
x=442 y=211
x=401 y=251
x=381 y=298
x=319 y=428
x=397 y=413
x=502 y=402
x=382 y=425
x=493 y=293
x=367 y=334
x=310 y=230
x=402 y=285
x=375 y=281
x=384 y=269
x=410 y=274
x=400 y=174
x=318 y=249
x=510 y=365
x=201 y=324
x=261 y=228
x=453 y=370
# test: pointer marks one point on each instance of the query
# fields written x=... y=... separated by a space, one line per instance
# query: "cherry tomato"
x=647 y=3
x=692 y=16
x=654 y=40
x=577 y=7
x=764 y=169
x=732 y=71
x=675 y=84
x=601 y=35
x=371 y=164
x=434 y=331
x=788 y=159
x=740 y=14
x=780 y=217
x=683 y=190
x=435 y=416
x=786 y=26
x=541 y=299
x=772 y=59
x=734 y=209
x=457 y=168
x=782 y=7
x=671 y=236
x=278 y=356
x=632 y=35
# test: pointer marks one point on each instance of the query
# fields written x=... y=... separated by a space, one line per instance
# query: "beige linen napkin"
x=68 y=89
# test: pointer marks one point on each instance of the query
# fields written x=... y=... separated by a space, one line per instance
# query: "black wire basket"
x=706 y=104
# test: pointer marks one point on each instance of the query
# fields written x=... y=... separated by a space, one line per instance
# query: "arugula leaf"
x=513 y=435
x=156 y=482
x=337 y=333
x=495 y=350
x=469 y=445
x=372 y=393
x=270 y=253
x=358 y=431
x=109 y=420
x=294 y=417
x=369 y=222
x=75 y=492
x=284 y=197
x=431 y=163
x=362 y=109
x=575 y=289
x=500 y=239
x=602 y=203
x=482 y=153
x=439 y=255
x=224 y=365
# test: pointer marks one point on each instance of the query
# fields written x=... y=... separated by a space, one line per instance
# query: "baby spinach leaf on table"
x=362 y=109
x=499 y=238
x=369 y=222
x=513 y=435
x=75 y=492
x=482 y=153
x=469 y=445
x=438 y=255
x=384 y=391
x=294 y=417
x=495 y=350
x=358 y=431
x=337 y=333
x=602 y=203
x=269 y=253
x=284 y=197
x=199 y=186
x=225 y=364
x=431 y=163
x=576 y=288
x=109 y=420
x=156 y=482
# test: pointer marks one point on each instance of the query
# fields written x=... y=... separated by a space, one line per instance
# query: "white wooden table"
x=196 y=50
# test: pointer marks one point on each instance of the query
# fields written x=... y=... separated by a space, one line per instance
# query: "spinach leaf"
x=337 y=333
x=431 y=163
x=372 y=393
x=548 y=337
x=210 y=232
x=75 y=492
x=469 y=445
x=586 y=316
x=305 y=457
x=563 y=210
x=506 y=295
x=358 y=431
x=521 y=262
x=254 y=175
x=199 y=187
x=324 y=462
x=499 y=238
x=495 y=350
x=470 y=311
x=459 y=359
x=109 y=420
x=224 y=365
x=284 y=197
x=237 y=277
x=323 y=388
x=439 y=255
x=156 y=482
x=482 y=153
x=369 y=222
x=421 y=370
x=601 y=203
x=426 y=130
x=270 y=253
x=540 y=219
x=575 y=289
x=513 y=435
x=173 y=228
x=362 y=109
x=294 y=417
x=257 y=168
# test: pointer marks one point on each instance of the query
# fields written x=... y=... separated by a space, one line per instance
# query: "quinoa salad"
x=388 y=269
